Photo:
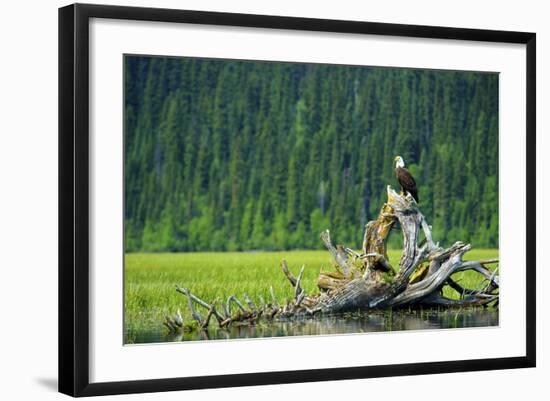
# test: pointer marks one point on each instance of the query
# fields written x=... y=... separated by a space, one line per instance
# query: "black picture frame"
x=74 y=194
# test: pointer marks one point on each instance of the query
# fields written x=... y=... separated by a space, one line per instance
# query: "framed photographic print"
x=278 y=199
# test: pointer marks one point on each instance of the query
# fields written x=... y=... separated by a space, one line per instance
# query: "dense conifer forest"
x=239 y=155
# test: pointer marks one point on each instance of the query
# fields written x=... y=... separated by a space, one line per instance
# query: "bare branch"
x=287 y=273
x=297 y=288
x=250 y=303
x=196 y=315
x=194 y=298
x=339 y=256
x=233 y=299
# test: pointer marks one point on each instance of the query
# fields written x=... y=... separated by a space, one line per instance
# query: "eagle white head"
x=399 y=162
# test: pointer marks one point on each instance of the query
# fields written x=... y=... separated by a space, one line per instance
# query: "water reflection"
x=360 y=322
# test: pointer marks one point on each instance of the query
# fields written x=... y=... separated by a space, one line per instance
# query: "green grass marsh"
x=150 y=279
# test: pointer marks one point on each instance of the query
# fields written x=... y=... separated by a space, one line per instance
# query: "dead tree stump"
x=367 y=280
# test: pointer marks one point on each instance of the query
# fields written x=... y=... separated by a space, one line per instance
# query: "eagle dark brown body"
x=405 y=178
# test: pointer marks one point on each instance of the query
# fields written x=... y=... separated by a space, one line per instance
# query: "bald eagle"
x=405 y=178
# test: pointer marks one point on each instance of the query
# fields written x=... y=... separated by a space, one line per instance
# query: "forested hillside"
x=239 y=155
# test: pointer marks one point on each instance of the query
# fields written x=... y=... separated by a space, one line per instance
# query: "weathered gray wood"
x=297 y=287
x=339 y=255
x=368 y=280
x=194 y=298
x=470 y=300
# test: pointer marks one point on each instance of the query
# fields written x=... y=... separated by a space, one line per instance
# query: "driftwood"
x=367 y=280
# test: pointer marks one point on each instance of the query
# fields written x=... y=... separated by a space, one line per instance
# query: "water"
x=359 y=322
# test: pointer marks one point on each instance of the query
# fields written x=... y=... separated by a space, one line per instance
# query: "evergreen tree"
x=238 y=155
